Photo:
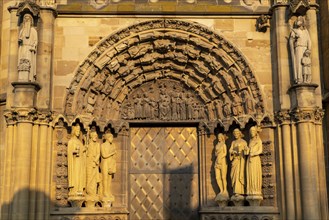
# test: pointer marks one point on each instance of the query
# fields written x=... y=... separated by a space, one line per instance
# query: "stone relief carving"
x=149 y=52
x=164 y=100
x=27 y=49
x=300 y=47
x=262 y=23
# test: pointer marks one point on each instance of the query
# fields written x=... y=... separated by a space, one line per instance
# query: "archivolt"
x=188 y=53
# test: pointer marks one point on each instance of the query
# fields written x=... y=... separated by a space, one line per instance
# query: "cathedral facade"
x=160 y=109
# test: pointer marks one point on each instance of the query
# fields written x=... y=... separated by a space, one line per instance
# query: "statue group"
x=90 y=169
x=246 y=169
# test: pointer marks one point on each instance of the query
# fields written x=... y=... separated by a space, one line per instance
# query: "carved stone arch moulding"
x=165 y=70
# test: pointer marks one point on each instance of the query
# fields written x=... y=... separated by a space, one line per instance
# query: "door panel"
x=164 y=173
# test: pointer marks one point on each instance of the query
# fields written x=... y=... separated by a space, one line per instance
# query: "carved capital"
x=283 y=116
x=318 y=115
x=44 y=117
x=302 y=115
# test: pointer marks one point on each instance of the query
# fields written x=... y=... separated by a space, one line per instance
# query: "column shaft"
x=288 y=172
x=310 y=199
x=21 y=173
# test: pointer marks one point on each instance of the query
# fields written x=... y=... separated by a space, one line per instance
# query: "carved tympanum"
x=164 y=100
x=108 y=85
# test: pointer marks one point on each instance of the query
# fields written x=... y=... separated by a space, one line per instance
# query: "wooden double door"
x=163 y=173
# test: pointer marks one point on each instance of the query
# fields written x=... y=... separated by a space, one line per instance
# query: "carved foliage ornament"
x=27 y=114
x=287 y=116
x=194 y=56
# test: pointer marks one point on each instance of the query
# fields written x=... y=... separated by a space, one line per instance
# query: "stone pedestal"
x=76 y=201
x=303 y=95
x=25 y=94
x=222 y=200
x=254 y=200
x=238 y=200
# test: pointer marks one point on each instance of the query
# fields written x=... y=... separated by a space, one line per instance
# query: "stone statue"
x=306 y=63
x=221 y=169
x=93 y=159
x=27 y=50
x=299 y=42
x=237 y=158
x=108 y=166
x=254 y=167
x=76 y=155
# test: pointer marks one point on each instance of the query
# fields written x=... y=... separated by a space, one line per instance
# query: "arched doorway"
x=163 y=85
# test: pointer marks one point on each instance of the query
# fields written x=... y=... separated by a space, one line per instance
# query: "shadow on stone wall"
x=27 y=204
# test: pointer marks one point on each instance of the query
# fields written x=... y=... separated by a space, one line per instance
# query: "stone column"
x=10 y=143
x=202 y=132
x=279 y=33
x=288 y=168
x=22 y=163
x=44 y=57
x=305 y=114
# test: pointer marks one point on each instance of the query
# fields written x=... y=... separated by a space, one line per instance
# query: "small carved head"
x=93 y=135
x=254 y=130
x=221 y=137
x=300 y=22
x=237 y=133
x=27 y=18
x=108 y=137
x=76 y=130
x=307 y=53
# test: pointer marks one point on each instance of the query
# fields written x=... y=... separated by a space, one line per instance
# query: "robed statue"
x=254 y=167
x=76 y=155
x=237 y=157
x=27 y=48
